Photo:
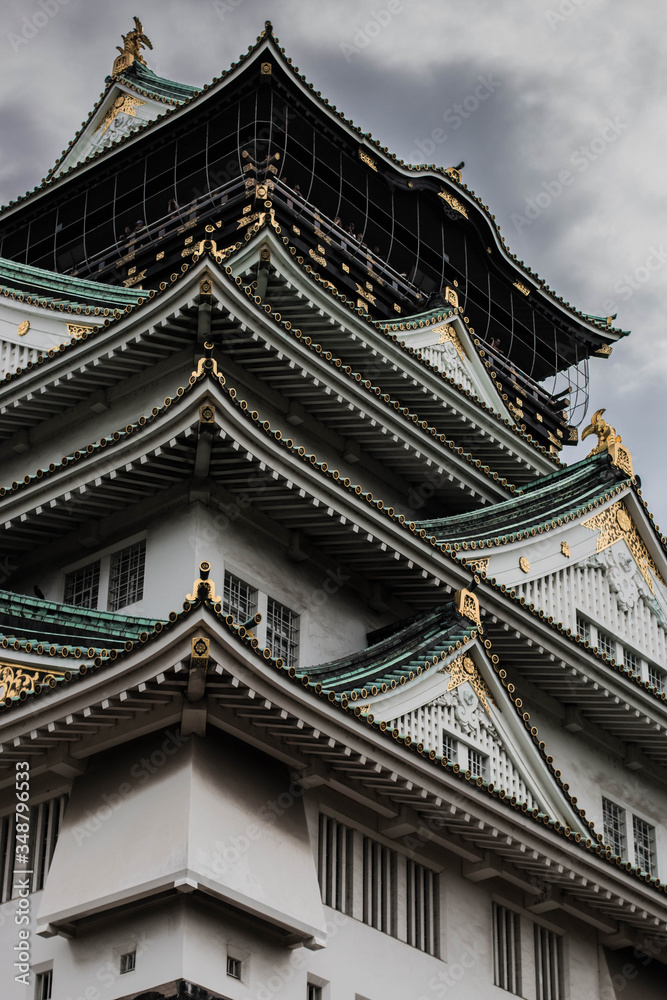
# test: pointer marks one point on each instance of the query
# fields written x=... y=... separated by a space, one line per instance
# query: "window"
x=379 y=887
x=44 y=985
x=613 y=822
x=126 y=581
x=548 y=964
x=606 y=644
x=233 y=967
x=128 y=962
x=506 y=949
x=583 y=628
x=314 y=992
x=282 y=631
x=335 y=863
x=629 y=660
x=422 y=907
x=44 y=821
x=238 y=598
x=643 y=835
x=477 y=763
x=656 y=677
x=82 y=586
x=450 y=747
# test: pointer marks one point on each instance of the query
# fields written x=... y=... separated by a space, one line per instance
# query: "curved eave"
x=31 y=283
x=267 y=42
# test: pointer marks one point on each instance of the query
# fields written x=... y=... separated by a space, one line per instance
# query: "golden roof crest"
x=133 y=42
x=608 y=440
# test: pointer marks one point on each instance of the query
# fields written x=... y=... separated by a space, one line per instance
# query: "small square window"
x=233 y=967
x=126 y=581
x=450 y=747
x=128 y=962
x=44 y=985
x=282 y=632
x=314 y=992
x=82 y=586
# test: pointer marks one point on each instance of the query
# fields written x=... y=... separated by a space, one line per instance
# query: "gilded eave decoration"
x=614 y=524
x=463 y=670
x=17 y=681
x=454 y=203
x=125 y=104
x=448 y=335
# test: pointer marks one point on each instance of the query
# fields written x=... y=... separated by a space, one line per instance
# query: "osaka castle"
x=323 y=676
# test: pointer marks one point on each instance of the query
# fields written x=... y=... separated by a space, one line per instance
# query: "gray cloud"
x=560 y=77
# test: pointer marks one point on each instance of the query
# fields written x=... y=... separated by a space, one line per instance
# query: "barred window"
x=314 y=992
x=606 y=644
x=44 y=985
x=82 y=586
x=643 y=835
x=422 y=905
x=282 y=631
x=548 y=964
x=613 y=823
x=629 y=660
x=44 y=820
x=477 y=763
x=335 y=863
x=583 y=628
x=128 y=962
x=238 y=598
x=450 y=747
x=379 y=887
x=656 y=677
x=507 y=949
x=126 y=583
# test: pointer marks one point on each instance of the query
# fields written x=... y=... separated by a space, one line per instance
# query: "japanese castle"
x=323 y=677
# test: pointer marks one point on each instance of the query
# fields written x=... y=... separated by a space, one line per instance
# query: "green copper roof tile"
x=28 y=279
x=139 y=75
x=404 y=652
x=543 y=501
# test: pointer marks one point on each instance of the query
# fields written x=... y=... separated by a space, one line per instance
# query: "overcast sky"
x=567 y=89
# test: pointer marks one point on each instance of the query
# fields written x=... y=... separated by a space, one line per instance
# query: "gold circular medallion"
x=623 y=520
x=23 y=328
x=524 y=564
x=468 y=665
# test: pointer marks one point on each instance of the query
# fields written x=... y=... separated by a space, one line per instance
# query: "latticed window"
x=477 y=763
x=335 y=863
x=82 y=586
x=44 y=985
x=450 y=747
x=379 y=886
x=643 y=835
x=314 y=992
x=282 y=632
x=44 y=821
x=613 y=823
x=656 y=677
x=583 y=628
x=548 y=964
x=506 y=949
x=126 y=581
x=629 y=660
x=238 y=598
x=422 y=907
x=606 y=644
x=128 y=962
